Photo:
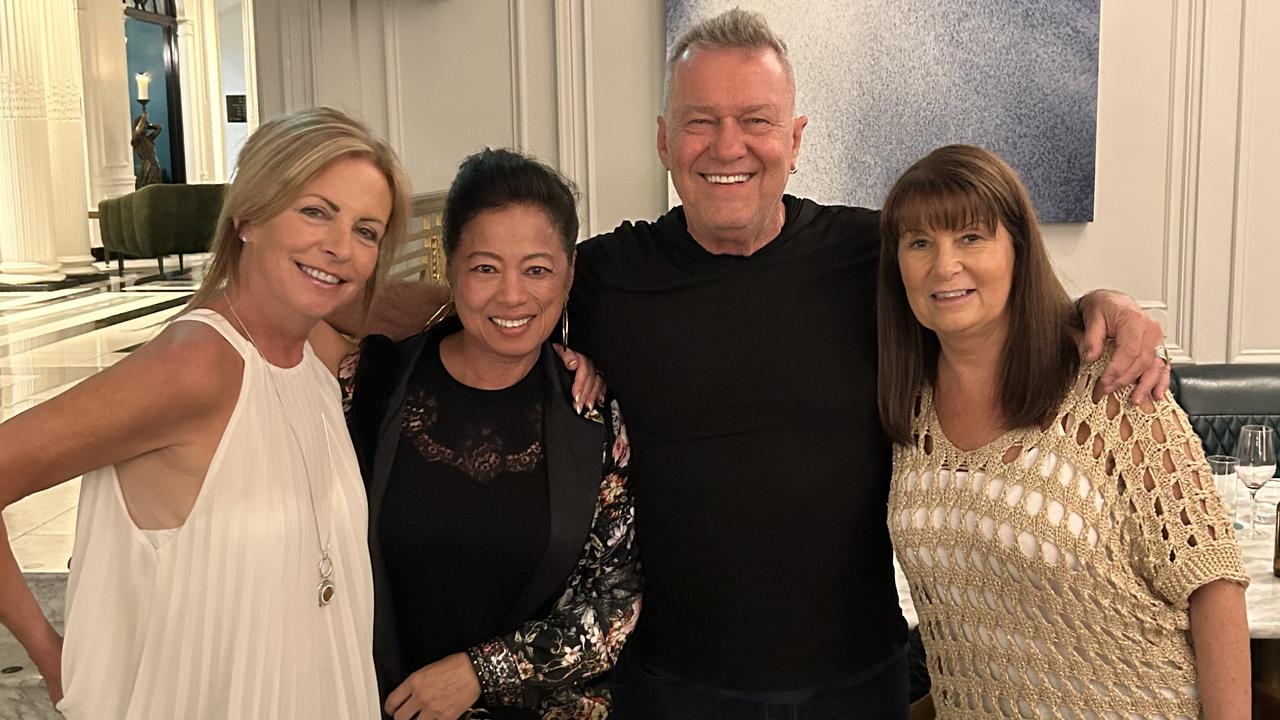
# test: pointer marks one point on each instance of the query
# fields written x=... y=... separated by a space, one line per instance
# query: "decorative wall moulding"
x=156 y=7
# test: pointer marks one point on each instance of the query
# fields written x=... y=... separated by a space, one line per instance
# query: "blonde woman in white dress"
x=221 y=567
x=1067 y=552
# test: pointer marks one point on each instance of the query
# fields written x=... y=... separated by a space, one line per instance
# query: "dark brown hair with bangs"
x=952 y=188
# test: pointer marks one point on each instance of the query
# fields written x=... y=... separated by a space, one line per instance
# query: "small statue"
x=145 y=133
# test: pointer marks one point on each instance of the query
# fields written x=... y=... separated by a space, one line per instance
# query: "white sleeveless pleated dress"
x=220 y=618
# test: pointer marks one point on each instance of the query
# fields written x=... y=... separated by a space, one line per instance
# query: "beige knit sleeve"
x=1185 y=538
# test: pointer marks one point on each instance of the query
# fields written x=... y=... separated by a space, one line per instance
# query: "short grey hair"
x=731 y=29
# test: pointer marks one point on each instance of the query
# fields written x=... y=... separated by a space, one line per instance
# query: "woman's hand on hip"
x=443 y=690
x=48 y=660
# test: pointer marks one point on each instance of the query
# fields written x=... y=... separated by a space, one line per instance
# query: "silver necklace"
x=325 y=590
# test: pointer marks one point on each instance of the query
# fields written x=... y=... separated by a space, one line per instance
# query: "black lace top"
x=465 y=518
x=579 y=603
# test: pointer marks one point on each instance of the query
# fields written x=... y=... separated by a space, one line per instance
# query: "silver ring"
x=1162 y=352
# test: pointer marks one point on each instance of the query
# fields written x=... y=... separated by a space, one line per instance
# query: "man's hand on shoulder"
x=1139 y=340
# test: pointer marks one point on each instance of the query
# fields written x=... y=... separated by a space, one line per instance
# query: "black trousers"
x=642 y=693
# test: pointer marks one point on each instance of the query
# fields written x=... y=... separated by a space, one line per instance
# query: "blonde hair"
x=276 y=164
x=735 y=29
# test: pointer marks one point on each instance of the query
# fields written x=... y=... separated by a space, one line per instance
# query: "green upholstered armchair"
x=159 y=220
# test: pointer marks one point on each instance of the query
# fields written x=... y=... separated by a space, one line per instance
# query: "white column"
x=106 y=99
x=27 y=252
x=201 y=80
x=63 y=90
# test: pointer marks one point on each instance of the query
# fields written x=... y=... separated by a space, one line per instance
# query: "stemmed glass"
x=1256 y=456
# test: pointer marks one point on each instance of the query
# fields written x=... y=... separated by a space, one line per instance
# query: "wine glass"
x=1256 y=456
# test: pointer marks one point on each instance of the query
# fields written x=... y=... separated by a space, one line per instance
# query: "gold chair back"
x=422 y=259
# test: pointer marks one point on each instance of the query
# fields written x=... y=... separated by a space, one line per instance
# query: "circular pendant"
x=325 y=591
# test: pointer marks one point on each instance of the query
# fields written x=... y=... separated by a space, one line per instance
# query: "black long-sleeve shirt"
x=760 y=471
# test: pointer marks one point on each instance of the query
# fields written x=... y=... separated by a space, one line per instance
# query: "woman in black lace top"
x=505 y=569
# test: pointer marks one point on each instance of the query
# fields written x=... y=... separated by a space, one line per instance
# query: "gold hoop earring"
x=440 y=314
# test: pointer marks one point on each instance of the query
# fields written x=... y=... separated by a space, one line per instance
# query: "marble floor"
x=51 y=340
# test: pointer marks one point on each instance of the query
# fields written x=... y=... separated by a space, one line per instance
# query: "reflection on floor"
x=49 y=341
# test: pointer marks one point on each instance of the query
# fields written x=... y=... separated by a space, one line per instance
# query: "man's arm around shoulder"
x=398 y=310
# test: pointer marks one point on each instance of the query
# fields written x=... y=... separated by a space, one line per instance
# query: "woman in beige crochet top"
x=1067 y=553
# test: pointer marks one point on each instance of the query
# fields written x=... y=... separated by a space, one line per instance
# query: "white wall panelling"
x=391 y=70
x=249 y=34
x=203 y=109
x=1186 y=83
x=1146 y=135
x=627 y=52
x=1170 y=164
x=1187 y=155
x=574 y=104
x=535 y=110
x=335 y=56
x=1212 y=225
x=519 y=75
x=294 y=68
x=310 y=50
x=454 y=60
x=451 y=77
x=371 y=81
x=1255 y=331
x=237 y=55
x=283 y=37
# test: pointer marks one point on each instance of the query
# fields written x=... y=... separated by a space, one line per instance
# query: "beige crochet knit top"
x=1051 y=568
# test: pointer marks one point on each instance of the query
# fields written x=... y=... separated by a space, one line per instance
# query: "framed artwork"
x=883 y=82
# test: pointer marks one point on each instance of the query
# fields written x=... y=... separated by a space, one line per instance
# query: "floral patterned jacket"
x=545 y=664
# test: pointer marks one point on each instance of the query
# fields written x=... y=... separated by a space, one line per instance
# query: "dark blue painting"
x=885 y=81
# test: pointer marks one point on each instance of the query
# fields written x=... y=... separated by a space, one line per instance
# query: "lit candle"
x=144 y=84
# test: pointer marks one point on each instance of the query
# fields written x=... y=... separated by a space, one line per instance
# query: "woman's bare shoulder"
x=190 y=358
